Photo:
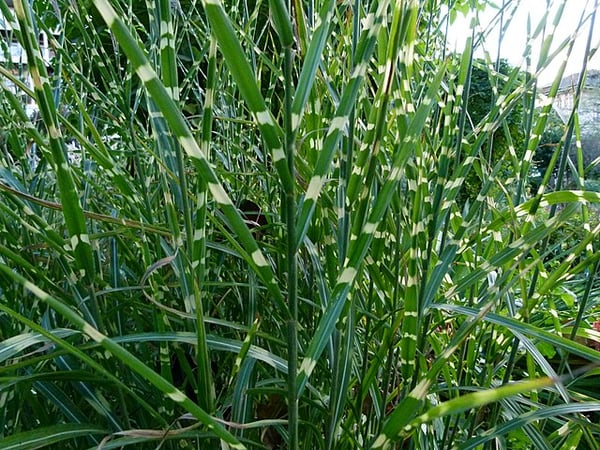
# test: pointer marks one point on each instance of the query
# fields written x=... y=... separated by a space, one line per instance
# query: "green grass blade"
x=129 y=359
x=174 y=118
x=55 y=434
x=79 y=240
x=242 y=72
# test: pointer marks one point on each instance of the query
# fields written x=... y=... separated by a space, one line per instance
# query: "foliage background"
x=288 y=226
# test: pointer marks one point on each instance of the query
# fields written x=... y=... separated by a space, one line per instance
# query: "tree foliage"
x=549 y=144
x=489 y=84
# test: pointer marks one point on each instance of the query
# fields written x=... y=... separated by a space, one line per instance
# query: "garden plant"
x=292 y=224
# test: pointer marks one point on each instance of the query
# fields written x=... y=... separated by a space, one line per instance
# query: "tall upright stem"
x=290 y=213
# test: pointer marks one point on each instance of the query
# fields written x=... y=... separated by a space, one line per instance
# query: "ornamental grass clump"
x=290 y=225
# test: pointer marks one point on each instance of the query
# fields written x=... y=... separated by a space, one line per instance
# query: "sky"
x=515 y=37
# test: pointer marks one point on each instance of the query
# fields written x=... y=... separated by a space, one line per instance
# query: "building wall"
x=589 y=112
x=14 y=58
